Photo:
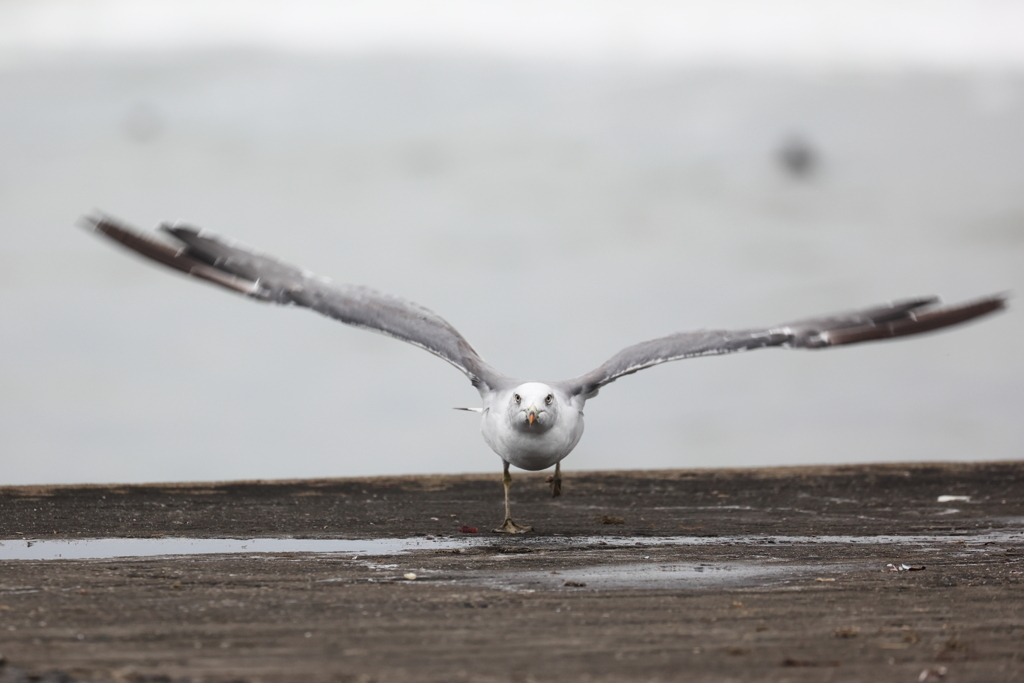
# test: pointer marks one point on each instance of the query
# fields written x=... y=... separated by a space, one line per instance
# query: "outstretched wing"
x=897 y=319
x=264 y=278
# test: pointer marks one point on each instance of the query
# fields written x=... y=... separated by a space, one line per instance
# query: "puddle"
x=1009 y=537
x=106 y=548
x=651 y=576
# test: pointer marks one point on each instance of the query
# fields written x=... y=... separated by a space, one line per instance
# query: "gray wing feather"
x=264 y=278
x=913 y=316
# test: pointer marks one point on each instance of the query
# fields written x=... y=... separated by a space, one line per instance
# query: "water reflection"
x=106 y=548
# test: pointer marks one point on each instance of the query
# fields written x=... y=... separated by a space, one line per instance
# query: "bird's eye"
x=518 y=398
x=549 y=399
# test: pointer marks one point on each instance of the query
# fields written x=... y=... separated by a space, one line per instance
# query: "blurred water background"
x=558 y=180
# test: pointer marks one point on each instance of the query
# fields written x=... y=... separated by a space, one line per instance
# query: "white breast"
x=528 y=450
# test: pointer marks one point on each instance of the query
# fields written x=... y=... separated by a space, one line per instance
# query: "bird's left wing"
x=897 y=319
x=264 y=278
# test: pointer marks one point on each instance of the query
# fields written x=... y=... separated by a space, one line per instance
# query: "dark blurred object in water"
x=798 y=157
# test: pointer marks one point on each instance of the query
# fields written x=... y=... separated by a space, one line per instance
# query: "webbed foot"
x=510 y=527
x=556 y=485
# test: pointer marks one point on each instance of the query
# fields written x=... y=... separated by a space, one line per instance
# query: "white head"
x=533 y=407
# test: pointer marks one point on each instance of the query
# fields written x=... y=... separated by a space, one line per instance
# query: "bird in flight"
x=532 y=425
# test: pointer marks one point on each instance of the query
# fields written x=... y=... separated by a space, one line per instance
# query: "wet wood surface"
x=888 y=572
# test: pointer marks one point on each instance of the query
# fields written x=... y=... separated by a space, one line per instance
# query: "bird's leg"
x=508 y=526
x=556 y=481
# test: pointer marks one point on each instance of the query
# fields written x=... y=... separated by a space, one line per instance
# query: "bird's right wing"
x=264 y=278
x=897 y=319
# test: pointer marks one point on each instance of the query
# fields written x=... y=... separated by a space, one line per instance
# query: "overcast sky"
x=872 y=34
x=604 y=172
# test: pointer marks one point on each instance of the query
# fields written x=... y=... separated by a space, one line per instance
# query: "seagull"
x=532 y=425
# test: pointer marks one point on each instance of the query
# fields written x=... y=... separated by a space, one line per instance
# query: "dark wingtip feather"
x=919 y=321
x=180 y=231
x=176 y=257
x=139 y=242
